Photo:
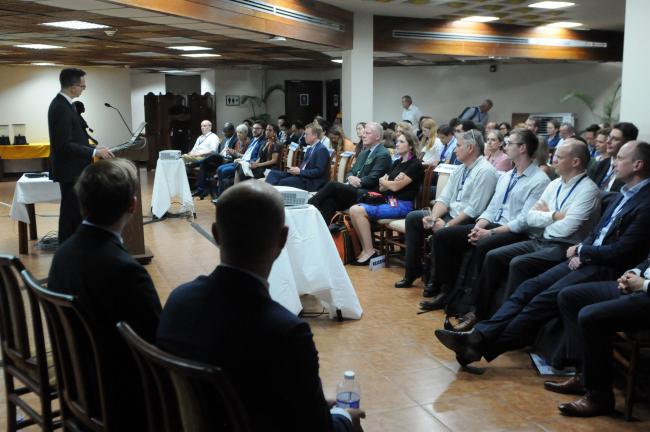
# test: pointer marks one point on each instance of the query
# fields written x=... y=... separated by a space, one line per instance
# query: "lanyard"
x=205 y=137
x=444 y=152
x=511 y=185
x=462 y=183
x=605 y=179
x=557 y=194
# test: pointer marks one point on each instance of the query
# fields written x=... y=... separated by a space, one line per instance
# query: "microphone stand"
x=118 y=111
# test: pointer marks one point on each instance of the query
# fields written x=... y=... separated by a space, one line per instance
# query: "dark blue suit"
x=229 y=319
x=314 y=171
x=534 y=302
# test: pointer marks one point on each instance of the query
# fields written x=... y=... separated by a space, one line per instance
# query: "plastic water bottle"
x=348 y=393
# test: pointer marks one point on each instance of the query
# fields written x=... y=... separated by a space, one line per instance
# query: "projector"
x=293 y=196
x=169 y=155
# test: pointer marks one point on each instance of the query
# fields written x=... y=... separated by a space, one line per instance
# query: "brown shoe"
x=588 y=406
x=569 y=386
x=465 y=323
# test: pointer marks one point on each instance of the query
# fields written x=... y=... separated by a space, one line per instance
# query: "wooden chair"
x=24 y=352
x=294 y=156
x=77 y=361
x=627 y=352
x=343 y=166
x=183 y=395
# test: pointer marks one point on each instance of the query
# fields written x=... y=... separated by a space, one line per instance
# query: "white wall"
x=141 y=84
x=443 y=91
x=26 y=93
x=236 y=82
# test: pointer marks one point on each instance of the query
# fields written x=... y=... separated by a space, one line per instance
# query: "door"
x=303 y=100
x=332 y=99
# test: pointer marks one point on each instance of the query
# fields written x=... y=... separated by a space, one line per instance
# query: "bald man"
x=229 y=319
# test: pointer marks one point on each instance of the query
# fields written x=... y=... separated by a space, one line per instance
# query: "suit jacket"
x=111 y=286
x=598 y=172
x=369 y=170
x=228 y=319
x=227 y=143
x=316 y=173
x=69 y=148
x=626 y=241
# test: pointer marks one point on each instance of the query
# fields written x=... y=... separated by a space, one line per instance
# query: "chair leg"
x=12 y=423
x=631 y=381
x=389 y=236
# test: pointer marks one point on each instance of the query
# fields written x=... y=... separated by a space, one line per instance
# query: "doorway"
x=303 y=100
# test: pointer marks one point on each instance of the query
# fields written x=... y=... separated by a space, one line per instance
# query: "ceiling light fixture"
x=277 y=39
x=551 y=5
x=201 y=55
x=479 y=19
x=189 y=48
x=43 y=64
x=339 y=61
x=564 y=24
x=38 y=46
x=75 y=25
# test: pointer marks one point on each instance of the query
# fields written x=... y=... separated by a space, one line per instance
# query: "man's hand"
x=356 y=415
x=438 y=224
x=558 y=216
x=294 y=171
x=253 y=165
x=354 y=181
x=630 y=282
x=541 y=206
x=572 y=251
x=230 y=151
x=575 y=263
x=104 y=153
x=477 y=234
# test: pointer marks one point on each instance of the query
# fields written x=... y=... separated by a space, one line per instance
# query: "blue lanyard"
x=511 y=185
x=205 y=137
x=444 y=151
x=605 y=179
x=557 y=194
x=462 y=183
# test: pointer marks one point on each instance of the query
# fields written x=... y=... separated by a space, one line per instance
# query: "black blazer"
x=369 y=170
x=228 y=319
x=317 y=171
x=626 y=241
x=69 y=148
x=111 y=287
x=598 y=172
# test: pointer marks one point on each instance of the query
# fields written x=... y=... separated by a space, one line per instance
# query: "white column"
x=357 y=76
x=635 y=91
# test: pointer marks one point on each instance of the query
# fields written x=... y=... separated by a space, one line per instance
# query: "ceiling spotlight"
x=189 y=48
x=43 y=64
x=339 y=61
x=277 y=39
x=551 y=5
x=38 y=46
x=201 y=55
x=479 y=19
x=75 y=25
x=564 y=24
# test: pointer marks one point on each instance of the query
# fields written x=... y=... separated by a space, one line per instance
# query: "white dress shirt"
x=646 y=276
x=412 y=114
x=472 y=196
x=207 y=143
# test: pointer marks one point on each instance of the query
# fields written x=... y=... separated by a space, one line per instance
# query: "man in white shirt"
x=205 y=144
x=411 y=113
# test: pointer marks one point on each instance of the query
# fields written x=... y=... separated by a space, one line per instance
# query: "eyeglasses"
x=83 y=86
x=257 y=127
x=514 y=142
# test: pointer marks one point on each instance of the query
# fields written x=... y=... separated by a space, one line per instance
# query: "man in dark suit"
x=313 y=172
x=603 y=172
x=69 y=148
x=620 y=237
x=110 y=285
x=371 y=164
x=228 y=319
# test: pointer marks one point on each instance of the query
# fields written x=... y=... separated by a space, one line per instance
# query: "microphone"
x=106 y=104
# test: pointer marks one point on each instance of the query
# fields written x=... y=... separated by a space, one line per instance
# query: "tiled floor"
x=409 y=382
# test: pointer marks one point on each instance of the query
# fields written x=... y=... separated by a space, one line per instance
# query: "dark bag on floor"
x=346 y=239
x=373 y=198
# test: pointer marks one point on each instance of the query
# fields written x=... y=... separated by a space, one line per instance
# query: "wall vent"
x=260 y=6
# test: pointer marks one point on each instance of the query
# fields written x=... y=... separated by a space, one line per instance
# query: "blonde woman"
x=430 y=144
x=340 y=143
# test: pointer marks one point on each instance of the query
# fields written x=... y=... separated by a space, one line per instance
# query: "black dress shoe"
x=430 y=290
x=466 y=345
x=466 y=322
x=365 y=262
x=407 y=282
x=438 y=302
x=569 y=386
x=588 y=405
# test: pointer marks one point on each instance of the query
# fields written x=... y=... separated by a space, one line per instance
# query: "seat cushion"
x=398 y=225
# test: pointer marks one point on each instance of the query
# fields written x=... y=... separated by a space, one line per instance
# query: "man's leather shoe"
x=438 y=302
x=465 y=323
x=407 y=282
x=569 y=386
x=431 y=290
x=588 y=405
x=466 y=345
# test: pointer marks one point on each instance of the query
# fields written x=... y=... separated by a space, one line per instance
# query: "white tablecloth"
x=310 y=264
x=30 y=191
x=170 y=181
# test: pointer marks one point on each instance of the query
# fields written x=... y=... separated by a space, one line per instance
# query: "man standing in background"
x=411 y=113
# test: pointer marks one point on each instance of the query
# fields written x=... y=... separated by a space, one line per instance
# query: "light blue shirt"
x=448 y=150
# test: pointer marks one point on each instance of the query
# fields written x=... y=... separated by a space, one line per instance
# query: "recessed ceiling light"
x=178 y=72
x=189 y=48
x=44 y=64
x=564 y=24
x=551 y=5
x=479 y=19
x=201 y=55
x=277 y=39
x=38 y=46
x=337 y=61
x=75 y=25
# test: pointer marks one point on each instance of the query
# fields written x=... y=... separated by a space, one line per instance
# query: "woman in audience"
x=430 y=144
x=242 y=132
x=324 y=138
x=505 y=128
x=494 y=152
x=358 y=146
x=398 y=190
x=339 y=141
x=542 y=157
x=269 y=156
x=388 y=139
x=402 y=127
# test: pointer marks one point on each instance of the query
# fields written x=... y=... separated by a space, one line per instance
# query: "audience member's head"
x=282 y=120
x=407 y=143
x=453 y=123
x=337 y=137
x=620 y=134
x=271 y=132
x=258 y=129
x=228 y=129
x=361 y=126
x=523 y=141
x=632 y=162
x=572 y=158
x=485 y=106
x=422 y=118
x=107 y=191
x=464 y=126
x=552 y=127
x=589 y=134
x=532 y=124
x=248 y=123
x=429 y=129
x=313 y=133
x=324 y=124
x=505 y=128
x=601 y=141
x=297 y=127
x=470 y=146
x=388 y=138
x=406 y=101
x=242 y=132
x=206 y=127
x=490 y=126
x=372 y=134
x=403 y=127
x=241 y=207
x=493 y=142
x=566 y=130
x=445 y=133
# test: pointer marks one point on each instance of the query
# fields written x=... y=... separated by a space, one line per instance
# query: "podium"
x=133 y=232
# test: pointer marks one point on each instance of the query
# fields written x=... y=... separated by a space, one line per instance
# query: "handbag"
x=373 y=198
x=4 y=140
x=20 y=140
x=345 y=239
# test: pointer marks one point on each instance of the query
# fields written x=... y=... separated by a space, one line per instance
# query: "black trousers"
x=208 y=167
x=517 y=321
x=517 y=262
x=451 y=244
x=414 y=239
x=70 y=213
x=333 y=197
x=592 y=313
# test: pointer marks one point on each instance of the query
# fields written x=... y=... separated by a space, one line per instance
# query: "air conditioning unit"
x=544 y=118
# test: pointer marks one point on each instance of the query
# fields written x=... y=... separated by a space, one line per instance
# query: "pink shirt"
x=501 y=161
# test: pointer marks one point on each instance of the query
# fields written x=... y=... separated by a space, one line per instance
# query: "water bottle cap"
x=348 y=374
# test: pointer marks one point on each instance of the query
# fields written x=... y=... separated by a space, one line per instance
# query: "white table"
x=170 y=181
x=28 y=192
x=310 y=264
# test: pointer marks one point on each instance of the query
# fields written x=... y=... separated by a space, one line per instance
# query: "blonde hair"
x=427 y=141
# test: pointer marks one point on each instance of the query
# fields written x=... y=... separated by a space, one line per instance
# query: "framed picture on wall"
x=304 y=99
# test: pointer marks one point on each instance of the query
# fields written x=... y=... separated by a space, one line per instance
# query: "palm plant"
x=609 y=106
x=260 y=102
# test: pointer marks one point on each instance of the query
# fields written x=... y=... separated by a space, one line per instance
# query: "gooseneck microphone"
x=106 y=104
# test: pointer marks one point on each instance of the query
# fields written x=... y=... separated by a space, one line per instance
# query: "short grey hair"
x=474 y=138
x=242 y=128
x=569 y=126
x=377 y=129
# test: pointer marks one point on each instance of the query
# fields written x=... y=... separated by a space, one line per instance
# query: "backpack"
x=476 y=110
x=346 y=238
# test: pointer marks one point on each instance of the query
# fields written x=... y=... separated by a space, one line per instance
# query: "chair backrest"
x=77 y=359
x=424 y=195
x=23 y=348
x=443 y=178
x=283 y=157
x=184 y=395
x=343 y=166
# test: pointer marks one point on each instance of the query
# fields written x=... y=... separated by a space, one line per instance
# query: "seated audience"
x=224 y=152
x=502 y=223
x=325 y=126
x=226 y=172
x=371 y=164
x=466 y=195
x=490 y=126
x=398 y=188
x=603 y=172
x=297 y=133
x=620 y=237
x=268 y=157
x=205 y=145
x=340 y=143
x=589 y=135
x=494 y=151
x=478 y=114
x=448 y=147
x=541 y=158
x=228 y=319
x=553 y=134
x=109 y=284
x=600 y=145
x=314 y=170
x=358 y=146
x=505 y=128
x=430 y=144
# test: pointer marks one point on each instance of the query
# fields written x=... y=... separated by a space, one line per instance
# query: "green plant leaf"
x=582 y=97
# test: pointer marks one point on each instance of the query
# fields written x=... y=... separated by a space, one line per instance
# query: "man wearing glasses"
x=70 y=151
x=603 y=172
